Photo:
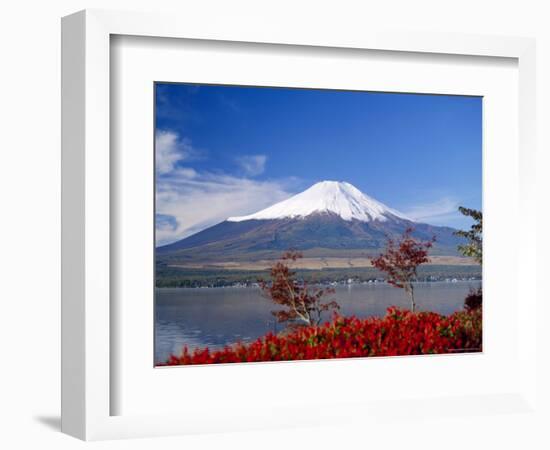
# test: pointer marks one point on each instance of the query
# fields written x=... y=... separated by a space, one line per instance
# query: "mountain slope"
x=330 y=218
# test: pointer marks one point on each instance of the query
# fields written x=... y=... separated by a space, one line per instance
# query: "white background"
x=29 y=380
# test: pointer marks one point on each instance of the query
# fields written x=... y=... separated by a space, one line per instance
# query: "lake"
x=215 y=317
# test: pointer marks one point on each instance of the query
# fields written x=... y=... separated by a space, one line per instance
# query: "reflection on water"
x=215 y=317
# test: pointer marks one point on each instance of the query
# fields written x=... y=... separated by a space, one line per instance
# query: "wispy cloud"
x=190 y=204
x=170 y=149
x=187 y=200
x=440 y=212
x=252 y=165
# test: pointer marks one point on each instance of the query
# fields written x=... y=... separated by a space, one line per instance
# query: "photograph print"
x=306 y=224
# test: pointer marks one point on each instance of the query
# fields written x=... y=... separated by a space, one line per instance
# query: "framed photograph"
x=277 y=254
x=253 y=215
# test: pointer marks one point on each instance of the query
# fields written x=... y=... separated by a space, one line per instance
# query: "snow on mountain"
x=340 y=198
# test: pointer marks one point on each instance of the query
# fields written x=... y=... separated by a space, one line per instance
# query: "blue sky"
x=228 y=151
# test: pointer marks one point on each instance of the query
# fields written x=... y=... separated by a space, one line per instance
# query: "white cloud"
x=205 y=199
x=439 y=212
x=171 y=149
x=187 y=201
x=185 y=172
x=252 y=165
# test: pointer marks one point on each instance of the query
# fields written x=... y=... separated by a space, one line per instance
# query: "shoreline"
x=195 y=278
x=326 y=285
x=312 y=263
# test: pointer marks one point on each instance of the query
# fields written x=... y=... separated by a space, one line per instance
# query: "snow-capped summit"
x=339 y=198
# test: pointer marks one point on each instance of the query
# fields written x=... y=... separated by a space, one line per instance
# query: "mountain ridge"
x=328 y=218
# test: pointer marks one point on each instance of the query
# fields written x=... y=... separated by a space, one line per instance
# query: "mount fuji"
x=329 y=219
x=328 y=197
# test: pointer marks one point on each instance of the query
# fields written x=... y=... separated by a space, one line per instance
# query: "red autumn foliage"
x=301 y=302
x=400 y=332
x=401 y=260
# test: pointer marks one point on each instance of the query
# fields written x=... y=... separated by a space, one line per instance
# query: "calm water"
x=215 y=317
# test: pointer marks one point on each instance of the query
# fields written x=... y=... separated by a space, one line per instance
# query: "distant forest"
x=174 y=277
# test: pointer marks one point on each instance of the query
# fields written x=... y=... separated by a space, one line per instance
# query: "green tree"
x=474 y=247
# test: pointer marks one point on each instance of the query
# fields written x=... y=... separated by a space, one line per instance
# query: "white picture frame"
x=87 y=325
